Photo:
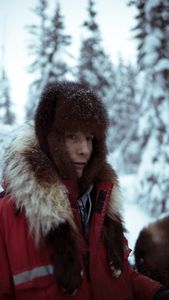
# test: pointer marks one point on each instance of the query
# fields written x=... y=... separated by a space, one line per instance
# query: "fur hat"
x=70 y=106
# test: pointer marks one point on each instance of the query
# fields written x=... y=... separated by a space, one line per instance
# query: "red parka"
x=26 y=271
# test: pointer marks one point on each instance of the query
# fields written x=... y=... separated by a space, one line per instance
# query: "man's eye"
x=71 y=137
x=90 y=138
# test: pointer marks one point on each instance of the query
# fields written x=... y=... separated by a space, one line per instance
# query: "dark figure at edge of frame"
x=152 y=250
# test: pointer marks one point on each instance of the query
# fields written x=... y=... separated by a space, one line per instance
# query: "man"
x=61 y=231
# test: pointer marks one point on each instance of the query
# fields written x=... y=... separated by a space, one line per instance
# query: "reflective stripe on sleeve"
x=32 y=274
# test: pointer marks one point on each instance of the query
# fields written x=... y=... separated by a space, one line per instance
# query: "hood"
x=35 y=186
x=68 y=107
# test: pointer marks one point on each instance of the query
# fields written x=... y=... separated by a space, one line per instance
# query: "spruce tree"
x=58 y=68
x=153 y=188
x=38 y=45
x=124 y=118
x=49 y=48
x=140 y=29
x=94 y=67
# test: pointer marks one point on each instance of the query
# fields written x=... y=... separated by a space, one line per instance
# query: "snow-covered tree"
x=7 y=115
x=153 y=188
x=140 y=29
x=49 y=48
x=38 y=44
x=94 y=66
x=58 y=68
x=124 y=116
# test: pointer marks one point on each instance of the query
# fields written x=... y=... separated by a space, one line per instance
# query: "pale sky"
x=114 y=18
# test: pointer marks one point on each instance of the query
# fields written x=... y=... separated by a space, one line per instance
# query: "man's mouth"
x=80 y=164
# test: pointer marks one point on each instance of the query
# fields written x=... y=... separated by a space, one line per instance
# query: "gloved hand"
x=162 y=295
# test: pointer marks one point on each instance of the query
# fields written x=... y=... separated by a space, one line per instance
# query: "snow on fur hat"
x=71 y=106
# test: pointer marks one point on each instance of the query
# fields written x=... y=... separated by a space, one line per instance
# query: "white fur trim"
x=45 y=205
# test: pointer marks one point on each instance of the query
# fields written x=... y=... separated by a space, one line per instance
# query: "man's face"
x=79 y=146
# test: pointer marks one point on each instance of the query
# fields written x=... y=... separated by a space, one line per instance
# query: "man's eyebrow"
x=69 y=132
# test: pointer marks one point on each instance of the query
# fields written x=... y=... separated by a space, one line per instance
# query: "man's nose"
x=83 y=146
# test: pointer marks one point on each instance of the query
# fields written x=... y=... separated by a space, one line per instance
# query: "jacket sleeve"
x=6 y=282
x=144 y=288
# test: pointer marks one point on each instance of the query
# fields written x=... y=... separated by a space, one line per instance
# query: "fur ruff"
x=34 y=185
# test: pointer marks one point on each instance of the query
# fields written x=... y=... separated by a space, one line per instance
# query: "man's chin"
x=79 y=172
